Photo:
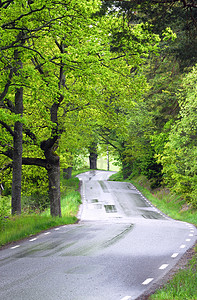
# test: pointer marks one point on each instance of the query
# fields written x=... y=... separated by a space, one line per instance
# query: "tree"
x=66 y=68
x=179 y=155
x=30 y=22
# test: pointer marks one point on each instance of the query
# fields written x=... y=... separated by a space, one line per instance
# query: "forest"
x=79 y=77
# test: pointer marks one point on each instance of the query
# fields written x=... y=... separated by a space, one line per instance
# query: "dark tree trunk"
x=67 y=173
x=53 y=169
x=93 y=156
x=93 y=160
x=54 y=188
x=17 y=155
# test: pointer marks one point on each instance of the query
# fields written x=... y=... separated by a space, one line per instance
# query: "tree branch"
x=7 y=127
x=34 y=162
x=4 y=93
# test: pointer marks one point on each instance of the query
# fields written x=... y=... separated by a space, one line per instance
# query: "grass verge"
x=19 y=227
x=183 y=284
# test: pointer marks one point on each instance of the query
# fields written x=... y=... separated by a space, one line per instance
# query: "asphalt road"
x=119 y=249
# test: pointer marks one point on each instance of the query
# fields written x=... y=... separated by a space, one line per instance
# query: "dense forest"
x=78 y=76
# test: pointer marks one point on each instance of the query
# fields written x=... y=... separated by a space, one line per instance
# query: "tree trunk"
x=53 y=169
x=93 y=156
x=17 y=155
x=93 y=160
x=54 y=188
x=67 y=173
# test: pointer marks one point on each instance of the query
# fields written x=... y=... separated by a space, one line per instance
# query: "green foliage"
x=72 y=81
x=179 y=155
x=116 y=177
x=4 y=211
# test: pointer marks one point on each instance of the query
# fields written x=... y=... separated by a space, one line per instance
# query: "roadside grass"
x=13 y=228
x=183 y=284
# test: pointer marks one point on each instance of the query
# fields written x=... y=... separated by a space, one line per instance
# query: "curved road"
x=119 y=249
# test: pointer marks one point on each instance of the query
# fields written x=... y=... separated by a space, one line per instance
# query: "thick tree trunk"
x=53 y=169
x=54 y=188
x=17 y=155
x=93 y=160
x=93 y=156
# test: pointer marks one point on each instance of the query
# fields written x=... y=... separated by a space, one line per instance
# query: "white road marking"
x=164 y=266
x=147 y=281
x=188 y=240
x=57 y=229
x=14 y=247
x=32 y=240
x=182 y=246
x=126 y=298
x=191 y=234
x=47 y=233
x=174 y=255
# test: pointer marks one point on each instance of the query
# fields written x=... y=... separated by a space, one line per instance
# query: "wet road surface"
x=121 y=246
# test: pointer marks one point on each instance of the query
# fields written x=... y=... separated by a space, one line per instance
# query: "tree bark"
x=53 y=169
x=17 y=155
x=93 y=156
x=54 y=188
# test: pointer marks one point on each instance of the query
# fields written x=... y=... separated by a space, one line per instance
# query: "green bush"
x=4 y=211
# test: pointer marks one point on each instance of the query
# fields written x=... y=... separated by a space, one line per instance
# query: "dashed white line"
x=14 y=247
x=147 y=281
x=188 y=240
x=32 y=240
x=46 y=233
x=164 y=266
x=182 y=246
x=191 y=234
x=57 y=229
x=126 y=298
x=174 y=255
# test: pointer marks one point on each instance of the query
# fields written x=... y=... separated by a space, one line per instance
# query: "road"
x=120 y=248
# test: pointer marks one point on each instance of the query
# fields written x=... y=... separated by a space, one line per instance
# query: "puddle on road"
x=110 y=208
x=94 y=200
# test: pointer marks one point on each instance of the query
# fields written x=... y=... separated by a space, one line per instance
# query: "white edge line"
x=164 y=266
x=174 y=255
x=147 y=281
x=14 y=247
x=126 y=298
x=32 y=240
